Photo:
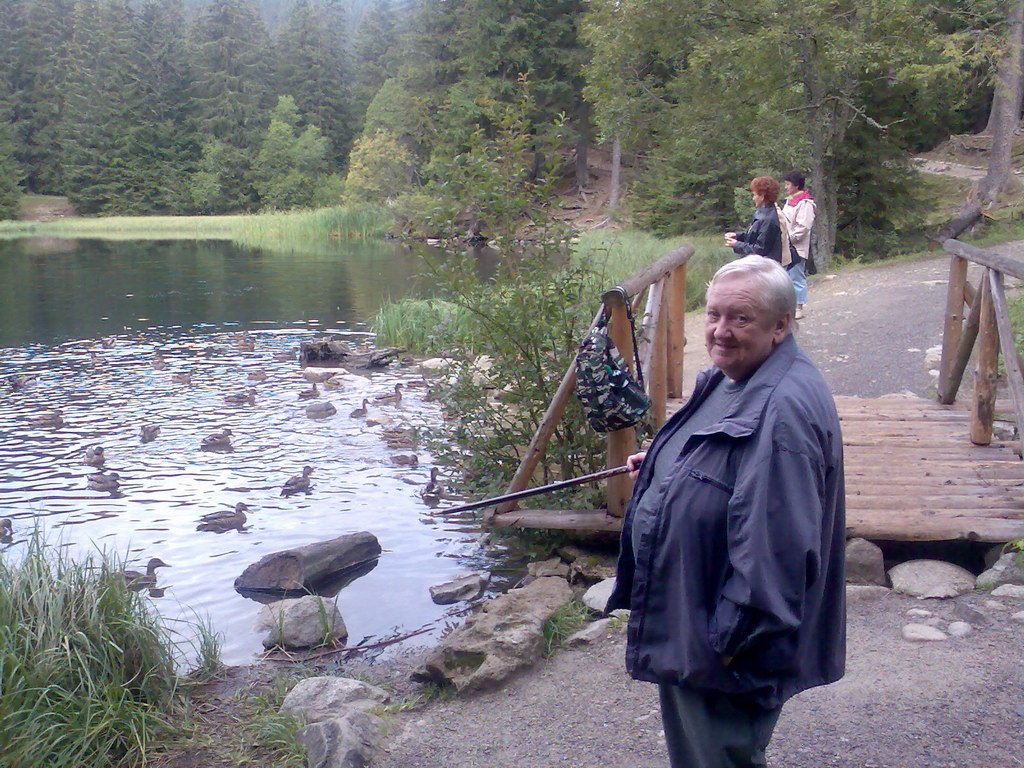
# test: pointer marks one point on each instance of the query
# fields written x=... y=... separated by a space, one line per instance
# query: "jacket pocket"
x=712 y=481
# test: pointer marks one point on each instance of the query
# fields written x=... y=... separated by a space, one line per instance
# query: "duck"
x=54 y=420
x=392 y=397
x=245 y=343
x=257 y=375
x=101 y=481
x=108 y=342
x=241 y=398
x=137 y=580
x=6 y=530
x=298 y=483
x=182 y=378
x=220 y=522
x=432 y=491
x=360 y=413
x=309 y=394
x=218 y=441
x=20 y=382
x=94 y=456
x=148 y=432
x=284 y=357
x=95 y=360
x=320 y=410
x=158 y=363
x=405 y=459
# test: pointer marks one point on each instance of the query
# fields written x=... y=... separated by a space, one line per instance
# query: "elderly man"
x=732 y=546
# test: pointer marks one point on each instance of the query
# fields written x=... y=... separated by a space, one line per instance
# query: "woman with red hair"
x=764 y=236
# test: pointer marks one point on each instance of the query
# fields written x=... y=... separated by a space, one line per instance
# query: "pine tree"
x=373 y=51
x=10 y=175
x=290 y=161
x=313 y=69
x=231 y=86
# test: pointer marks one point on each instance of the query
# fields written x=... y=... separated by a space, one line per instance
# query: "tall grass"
x=424 y=326
x=256 y=230
x=86 y=671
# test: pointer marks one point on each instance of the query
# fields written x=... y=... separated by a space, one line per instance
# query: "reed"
x=424 y=326
x=86 y=671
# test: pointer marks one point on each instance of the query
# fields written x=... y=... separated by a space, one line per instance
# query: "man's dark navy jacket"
x=745 y=555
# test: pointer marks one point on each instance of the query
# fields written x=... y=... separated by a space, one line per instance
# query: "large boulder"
x=504 y=637
x=302 y=569
x=301 y=622
x=323 y=698
x=864 y=564
x=343 y=742
x=931 y=578
x=1008 y=569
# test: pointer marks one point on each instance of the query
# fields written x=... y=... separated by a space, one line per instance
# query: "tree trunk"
x=582 y=147
x=613 y=195
x=1006 y=105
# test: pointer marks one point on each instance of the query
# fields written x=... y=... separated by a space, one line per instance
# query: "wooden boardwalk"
x=912 y=474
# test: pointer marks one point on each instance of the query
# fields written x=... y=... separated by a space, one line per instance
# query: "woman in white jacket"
x=799 y=211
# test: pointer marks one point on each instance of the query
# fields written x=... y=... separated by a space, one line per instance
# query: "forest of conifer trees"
x=216 y=106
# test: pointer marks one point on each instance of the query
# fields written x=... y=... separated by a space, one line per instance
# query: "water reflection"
x=185 y=302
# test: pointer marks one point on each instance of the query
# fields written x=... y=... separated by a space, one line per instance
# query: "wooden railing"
x=662 y=340
x=987 y=323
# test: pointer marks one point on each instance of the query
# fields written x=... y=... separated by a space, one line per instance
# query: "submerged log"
x=304 y=569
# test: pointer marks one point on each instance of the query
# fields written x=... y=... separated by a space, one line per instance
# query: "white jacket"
x=800 y=219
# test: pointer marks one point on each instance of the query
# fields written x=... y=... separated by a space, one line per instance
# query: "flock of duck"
x=221 y=521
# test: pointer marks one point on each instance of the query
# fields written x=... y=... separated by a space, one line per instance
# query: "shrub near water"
x=86 y=673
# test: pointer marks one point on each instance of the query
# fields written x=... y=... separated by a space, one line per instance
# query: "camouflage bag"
x=611 y=398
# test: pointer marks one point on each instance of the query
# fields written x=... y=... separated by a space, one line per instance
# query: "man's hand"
x=634 y=462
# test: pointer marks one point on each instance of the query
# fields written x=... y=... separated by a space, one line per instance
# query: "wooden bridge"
x=916 y=469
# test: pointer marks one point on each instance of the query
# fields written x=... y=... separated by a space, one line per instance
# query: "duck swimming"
x=309 y=394
x=242 y=398
x=298 y=483
x=108 y=342
x=182 y=378
x=432 y=491
x=221 y=522
x=20 y=382
x=405 y=459
x=359 y=413
x=158 y=363
x=218 y=441
x=257 y=375
x=6 y=531
x=94 y=456
x=54 y=420
x=392 y=397
x=148 y=432
x=103 y=482
x=137 y=580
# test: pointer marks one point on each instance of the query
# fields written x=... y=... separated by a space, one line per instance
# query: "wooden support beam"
x=1005 y=264
x=963 y=353
x=622 y=442
x=983 y=404
x=654 y=360
x=953 y=329
x=1011 y=360
x=676 y=330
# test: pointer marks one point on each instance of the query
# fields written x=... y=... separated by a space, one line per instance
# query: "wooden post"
x=984 y=405
x=963 y=352
x=953 y=329
x=622 y=442
x=1011 y=360
x=676 y=330
x=657 y=368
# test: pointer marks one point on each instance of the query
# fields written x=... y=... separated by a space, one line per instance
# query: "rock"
x=1009 y=590
x=922 y=633
x=992 y=555
x=596 y=598
x=324 y=698
x=919 y=612
x=932 y=356
x=346 y=742
x=301 y=622
x=994 y=605
x=864 y=563
x=435 y=365
x=593 y=631
x=858 y=593
x=1008 y=569
x=323 y=351
x=968 y=614
x=302 y=568
x=481 y=369
x=551 y=567
x=959 y=629
x=320 y=410
x=1018 y=616
x=931 y=578
x=504 y=637
x=588 y=567
x=468 y=587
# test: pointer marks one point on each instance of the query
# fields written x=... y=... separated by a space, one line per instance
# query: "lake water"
x=189 y=301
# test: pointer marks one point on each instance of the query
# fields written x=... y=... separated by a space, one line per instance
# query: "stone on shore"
x=1009 y=590
x=468 y=587
x=864 y=563
x=593 y=631
x=596 y=598
x=301 y=622
x=1008 y=569
x=302 y=568
x=931 y=578
x=859 y=593
x=343 y=742
x=506 y=635
x=553 y=566
x=324 y=698
x=922 y=633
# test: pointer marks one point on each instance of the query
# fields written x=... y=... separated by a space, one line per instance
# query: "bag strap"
x=632 y=330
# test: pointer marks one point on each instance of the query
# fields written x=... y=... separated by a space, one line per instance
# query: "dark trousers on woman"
x=705 y=729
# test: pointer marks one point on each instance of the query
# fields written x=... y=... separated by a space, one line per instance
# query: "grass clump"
x=424 y=326
x=563 y=624
x=86 y=671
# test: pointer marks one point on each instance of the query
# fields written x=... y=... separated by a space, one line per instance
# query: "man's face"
x=738 y=332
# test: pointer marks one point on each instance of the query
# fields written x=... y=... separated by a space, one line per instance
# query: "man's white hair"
x=774 y=288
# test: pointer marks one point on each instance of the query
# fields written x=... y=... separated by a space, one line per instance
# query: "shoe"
x=799 y=312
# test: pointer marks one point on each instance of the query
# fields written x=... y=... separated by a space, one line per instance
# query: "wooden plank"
x=676 y=287
x=657 y=365
x=622 y=442
x=953 y=328
x=559 y=519
x=1011 y=360
x=987 y=258
x=879 y=525
x=983 y=401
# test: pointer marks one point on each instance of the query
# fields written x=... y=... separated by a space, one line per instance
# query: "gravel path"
x=957 y=703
